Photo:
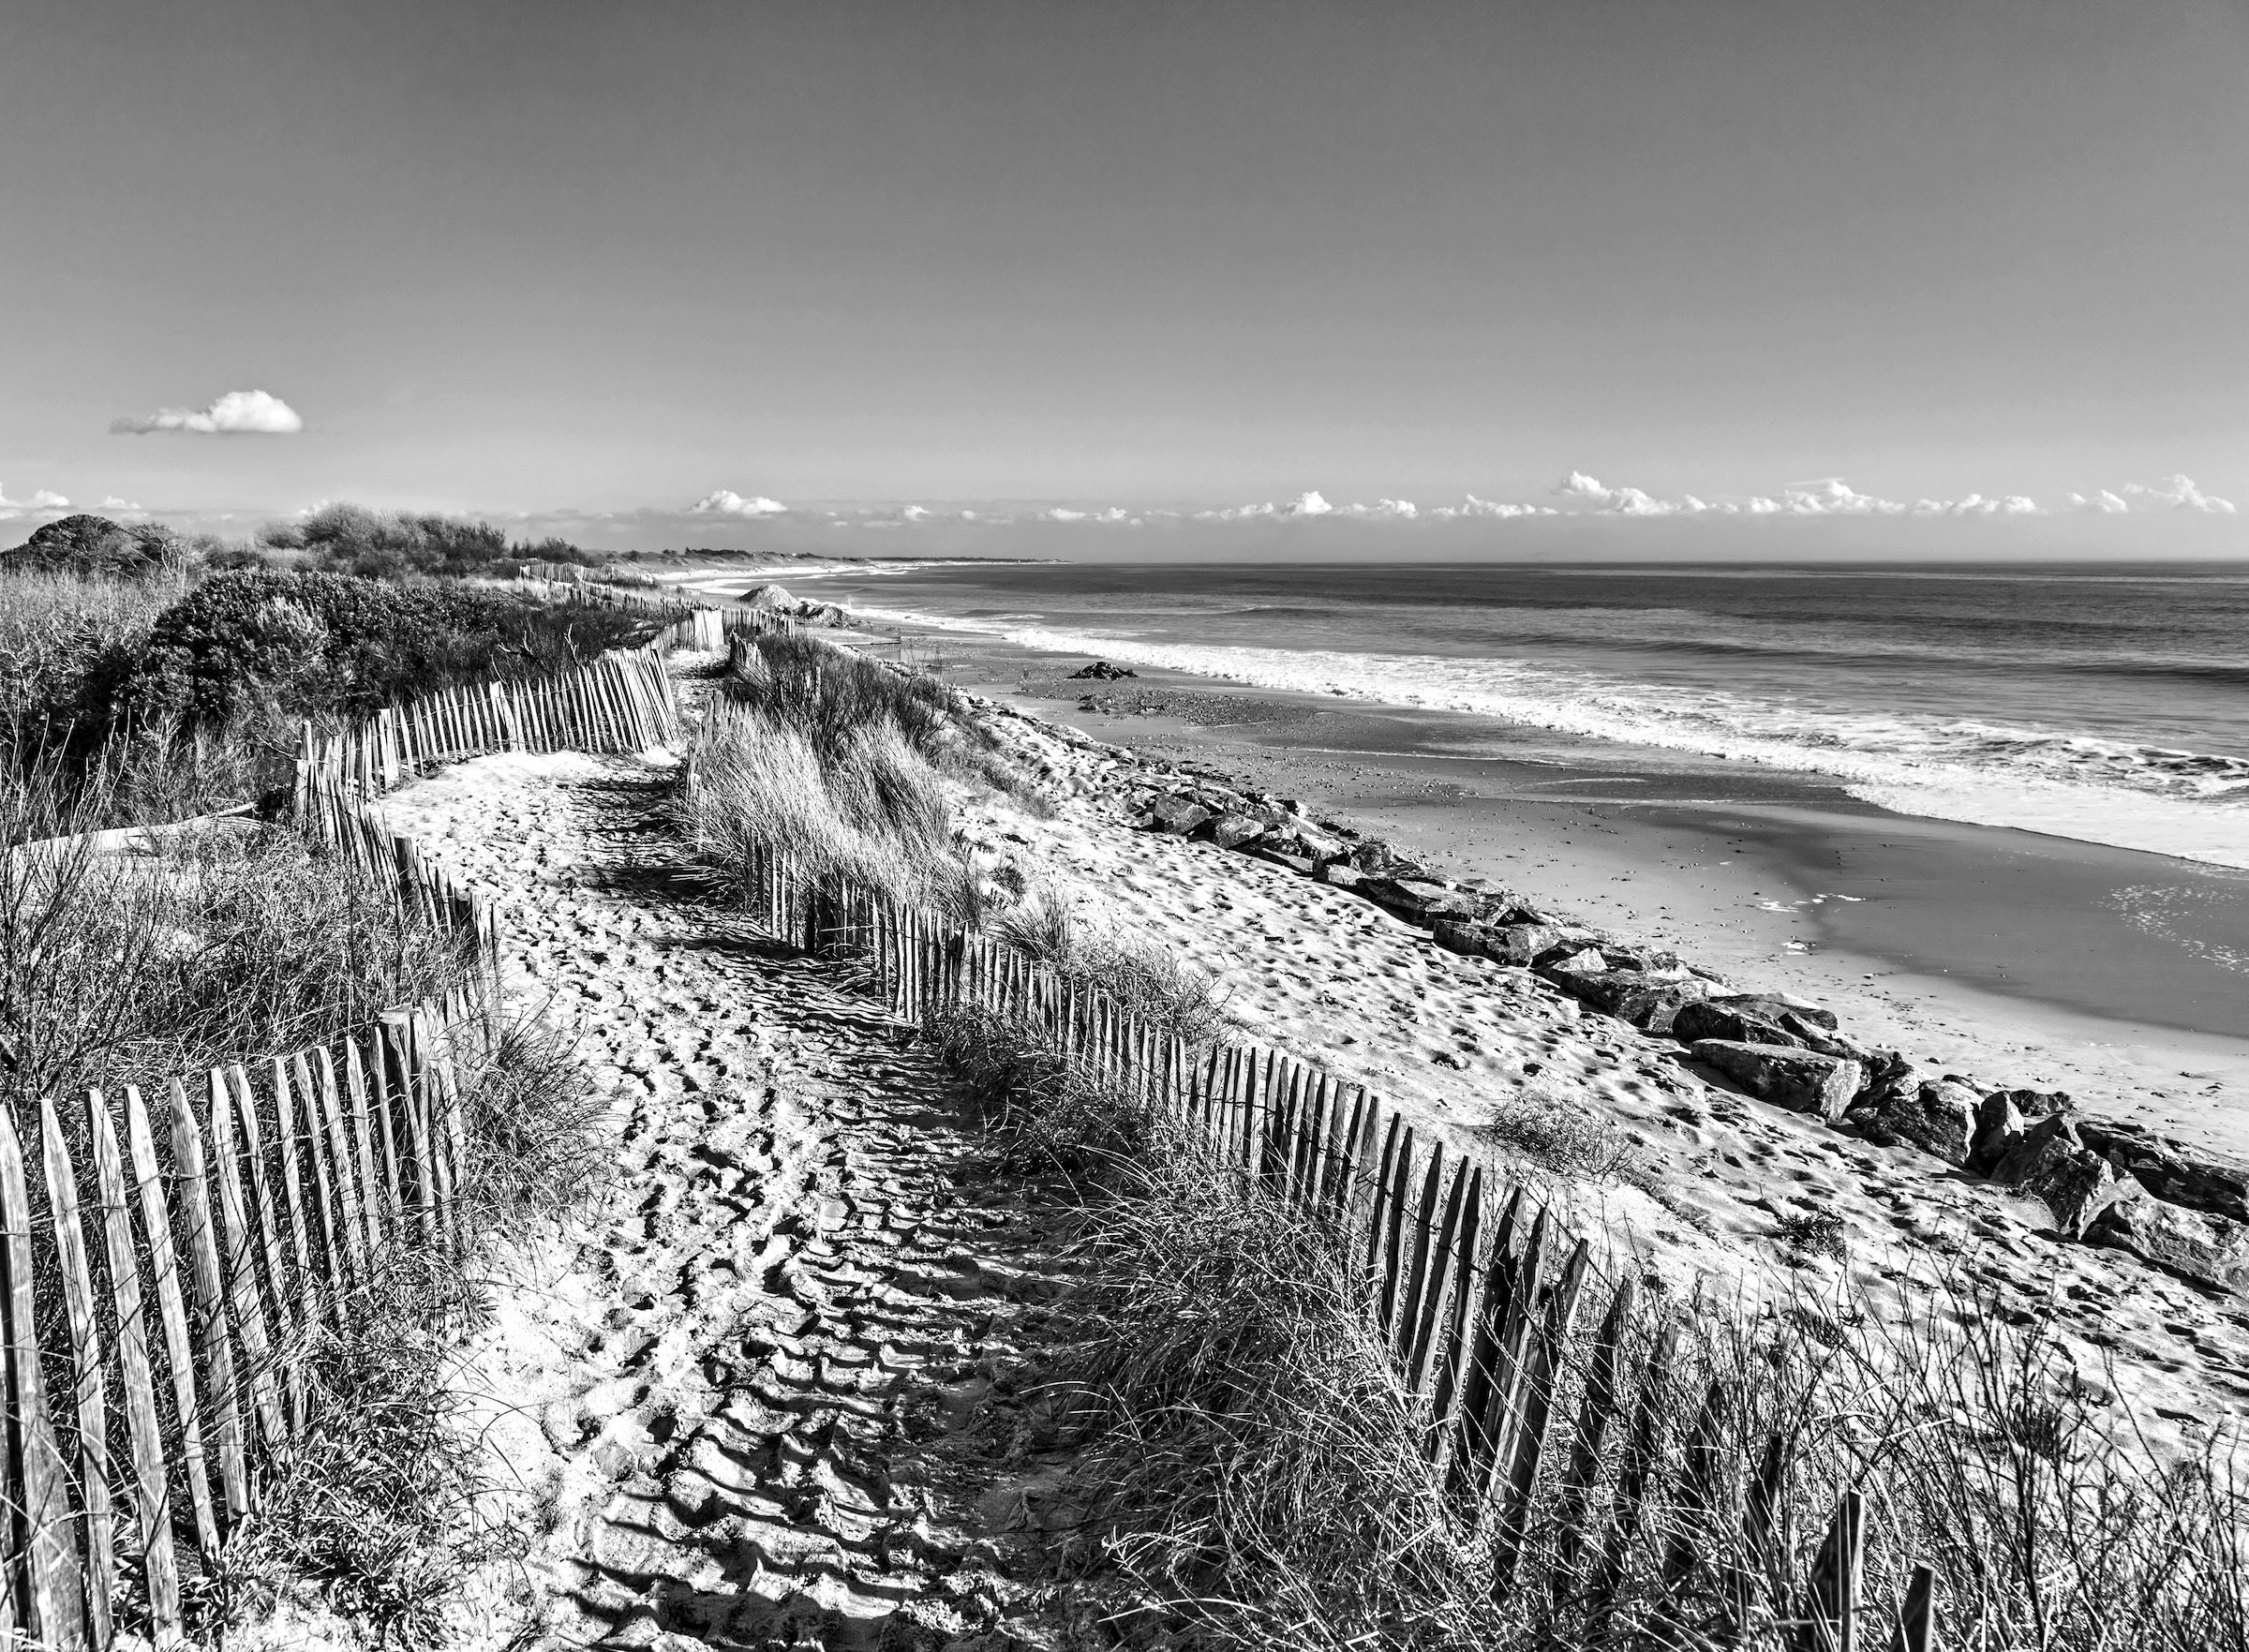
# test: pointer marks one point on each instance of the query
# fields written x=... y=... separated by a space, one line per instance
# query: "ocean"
x=2106 y=703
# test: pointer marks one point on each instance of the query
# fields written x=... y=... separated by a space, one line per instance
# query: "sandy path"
x=750 y=1399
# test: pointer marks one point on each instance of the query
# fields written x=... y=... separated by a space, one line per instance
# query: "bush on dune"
x=351 y=539
x=290 y=645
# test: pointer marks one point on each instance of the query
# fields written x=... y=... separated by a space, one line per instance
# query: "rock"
x=2212 y=1249
x=2051 y=1165
x=1521 y=944
x=1627 y=956
x=1739 y=1019
x=1303 y=865
x=1231 y=831
x=1801 y=1080
x=1999 y=1126
x=1649 y=1003
x=1936 y=1116
x=1102 y=670
x=1178 y=815
x=1341 y=873
x=2172 y=1171
x=1751 y=1018
x=1415 y=902
x=766 y=596
x=1584 y=960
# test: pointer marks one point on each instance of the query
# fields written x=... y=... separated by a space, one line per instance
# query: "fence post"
x=54 y=1608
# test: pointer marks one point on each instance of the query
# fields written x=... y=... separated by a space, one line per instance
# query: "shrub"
x=247 y=644
x=94 y=545
x=351 y=539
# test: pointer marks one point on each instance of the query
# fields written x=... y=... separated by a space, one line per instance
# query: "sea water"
x=2107 y=704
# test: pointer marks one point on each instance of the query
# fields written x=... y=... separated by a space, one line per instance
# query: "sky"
x=1688 y=267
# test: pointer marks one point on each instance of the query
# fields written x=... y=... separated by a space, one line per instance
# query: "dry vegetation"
x=1251 y=1471
x=189 y=952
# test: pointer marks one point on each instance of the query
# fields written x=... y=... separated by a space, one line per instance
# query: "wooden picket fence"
x=621 y=702
x=141 y=1410
x=705 y=625
x=1551 y=1393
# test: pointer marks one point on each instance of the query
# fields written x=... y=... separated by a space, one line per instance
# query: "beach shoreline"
x=1992 y=955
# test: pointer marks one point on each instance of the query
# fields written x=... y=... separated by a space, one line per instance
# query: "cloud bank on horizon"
x=239 y=412
x=1581 y=495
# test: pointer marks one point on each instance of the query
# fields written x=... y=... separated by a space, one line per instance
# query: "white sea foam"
x=2177 y=803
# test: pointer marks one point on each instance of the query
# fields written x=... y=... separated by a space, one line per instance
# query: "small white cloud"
x=112 y=502
x=726 y=502
x=2178 y=494
x=239 y=412
x=1472 y=506
x=42 y=500
x=1056 y=515
x=1578 y=485
x=916 y=512
x=1308 y=504
x=1397 y=510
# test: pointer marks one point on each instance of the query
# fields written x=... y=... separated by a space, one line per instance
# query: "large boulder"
x=1416 y=901
x=2172 y=1171
x=1518 y=945
x=1231 y=831
x=1750 y=1017
x=1102 y=670
x=766 y=596
x=2212 y=1249
x=1649 y=1003
x=1801 y=1080
x=2002 y=1116
x=1177 y=815
x=2050 y=1164
x=1937 y=1115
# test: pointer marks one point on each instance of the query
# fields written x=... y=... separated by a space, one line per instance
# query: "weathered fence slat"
x=179 y=1346
x=87 y=1363
x=53 y=1606
x=239 y=1270
x=151 y=1491
x=192 y=1179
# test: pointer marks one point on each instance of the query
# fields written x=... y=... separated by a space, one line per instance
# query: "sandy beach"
x=2021 y=958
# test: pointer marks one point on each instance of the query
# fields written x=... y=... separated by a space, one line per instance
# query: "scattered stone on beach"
x=2211 y=1249
x=1102 y=670
x=2053 y=1165
x=1801 y=1080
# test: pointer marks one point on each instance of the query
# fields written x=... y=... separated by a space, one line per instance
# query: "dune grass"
x=1250 y=1471
x=846 y=767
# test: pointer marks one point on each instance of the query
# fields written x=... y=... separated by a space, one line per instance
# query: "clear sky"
x=567 y=258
